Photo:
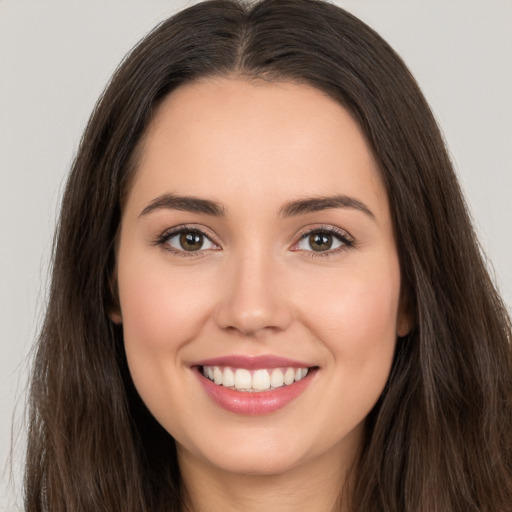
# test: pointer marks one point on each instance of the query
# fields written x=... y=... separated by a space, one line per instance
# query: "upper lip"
x=252 y=362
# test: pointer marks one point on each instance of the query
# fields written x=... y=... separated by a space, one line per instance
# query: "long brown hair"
x=439 y=439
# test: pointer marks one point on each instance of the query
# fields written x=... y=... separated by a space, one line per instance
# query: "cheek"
x=161 y=310
x=356 y=315
x=359 y=330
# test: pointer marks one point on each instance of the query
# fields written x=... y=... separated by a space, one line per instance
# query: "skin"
x=258 y=288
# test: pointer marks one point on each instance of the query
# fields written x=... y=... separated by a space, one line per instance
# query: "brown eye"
x=320 y=241
x=324 y=240
x=189 y=240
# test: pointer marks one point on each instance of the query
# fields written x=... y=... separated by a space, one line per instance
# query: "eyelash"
x=347 y=242
x=164 y=238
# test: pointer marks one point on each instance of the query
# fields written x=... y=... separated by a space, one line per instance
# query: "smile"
x=264 y=379
x=252 y=386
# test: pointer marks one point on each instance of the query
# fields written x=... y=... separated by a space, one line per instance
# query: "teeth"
x=289 y=376
x=277 y=378
x=217 y=375
x=228 y=378
x=242 y=379
x=261 y=380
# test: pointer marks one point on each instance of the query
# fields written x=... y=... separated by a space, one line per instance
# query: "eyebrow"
x=184 y=203
x=291 y=209
x=316 y=204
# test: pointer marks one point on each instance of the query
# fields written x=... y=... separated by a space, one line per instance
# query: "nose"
x=253 y=297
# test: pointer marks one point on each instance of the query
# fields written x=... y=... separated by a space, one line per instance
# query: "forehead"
x=254 y=140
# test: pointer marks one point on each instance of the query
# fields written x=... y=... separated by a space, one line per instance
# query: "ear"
x=116 y=317
x=403 y=327
x=405 y=320
x=114 y=308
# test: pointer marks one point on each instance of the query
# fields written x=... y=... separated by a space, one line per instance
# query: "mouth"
x=254 y=380
x=254 y=385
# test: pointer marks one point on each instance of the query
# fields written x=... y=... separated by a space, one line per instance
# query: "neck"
x=321 y=485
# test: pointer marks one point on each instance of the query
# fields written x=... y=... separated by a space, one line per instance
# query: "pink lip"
x=252 y=362
x=256 y=403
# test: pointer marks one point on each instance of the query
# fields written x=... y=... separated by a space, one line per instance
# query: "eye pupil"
x=191 y=240
x=320 y=241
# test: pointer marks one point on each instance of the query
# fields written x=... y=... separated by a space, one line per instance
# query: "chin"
x=257 y=462
x=262 y=452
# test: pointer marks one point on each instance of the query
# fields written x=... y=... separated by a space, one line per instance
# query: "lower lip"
x=256 y=403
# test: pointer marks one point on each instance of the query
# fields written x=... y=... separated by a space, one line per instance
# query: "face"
x=258 y=276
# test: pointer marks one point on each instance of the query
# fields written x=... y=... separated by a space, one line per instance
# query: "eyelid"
x=342 y=235
x=347 y=241
x=163 y=238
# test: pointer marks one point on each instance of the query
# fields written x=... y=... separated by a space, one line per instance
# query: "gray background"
x=55 y=58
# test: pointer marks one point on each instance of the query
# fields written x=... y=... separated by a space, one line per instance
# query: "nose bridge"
x=252 y=298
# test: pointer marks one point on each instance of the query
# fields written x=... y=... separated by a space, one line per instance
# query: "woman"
x=266 y=290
